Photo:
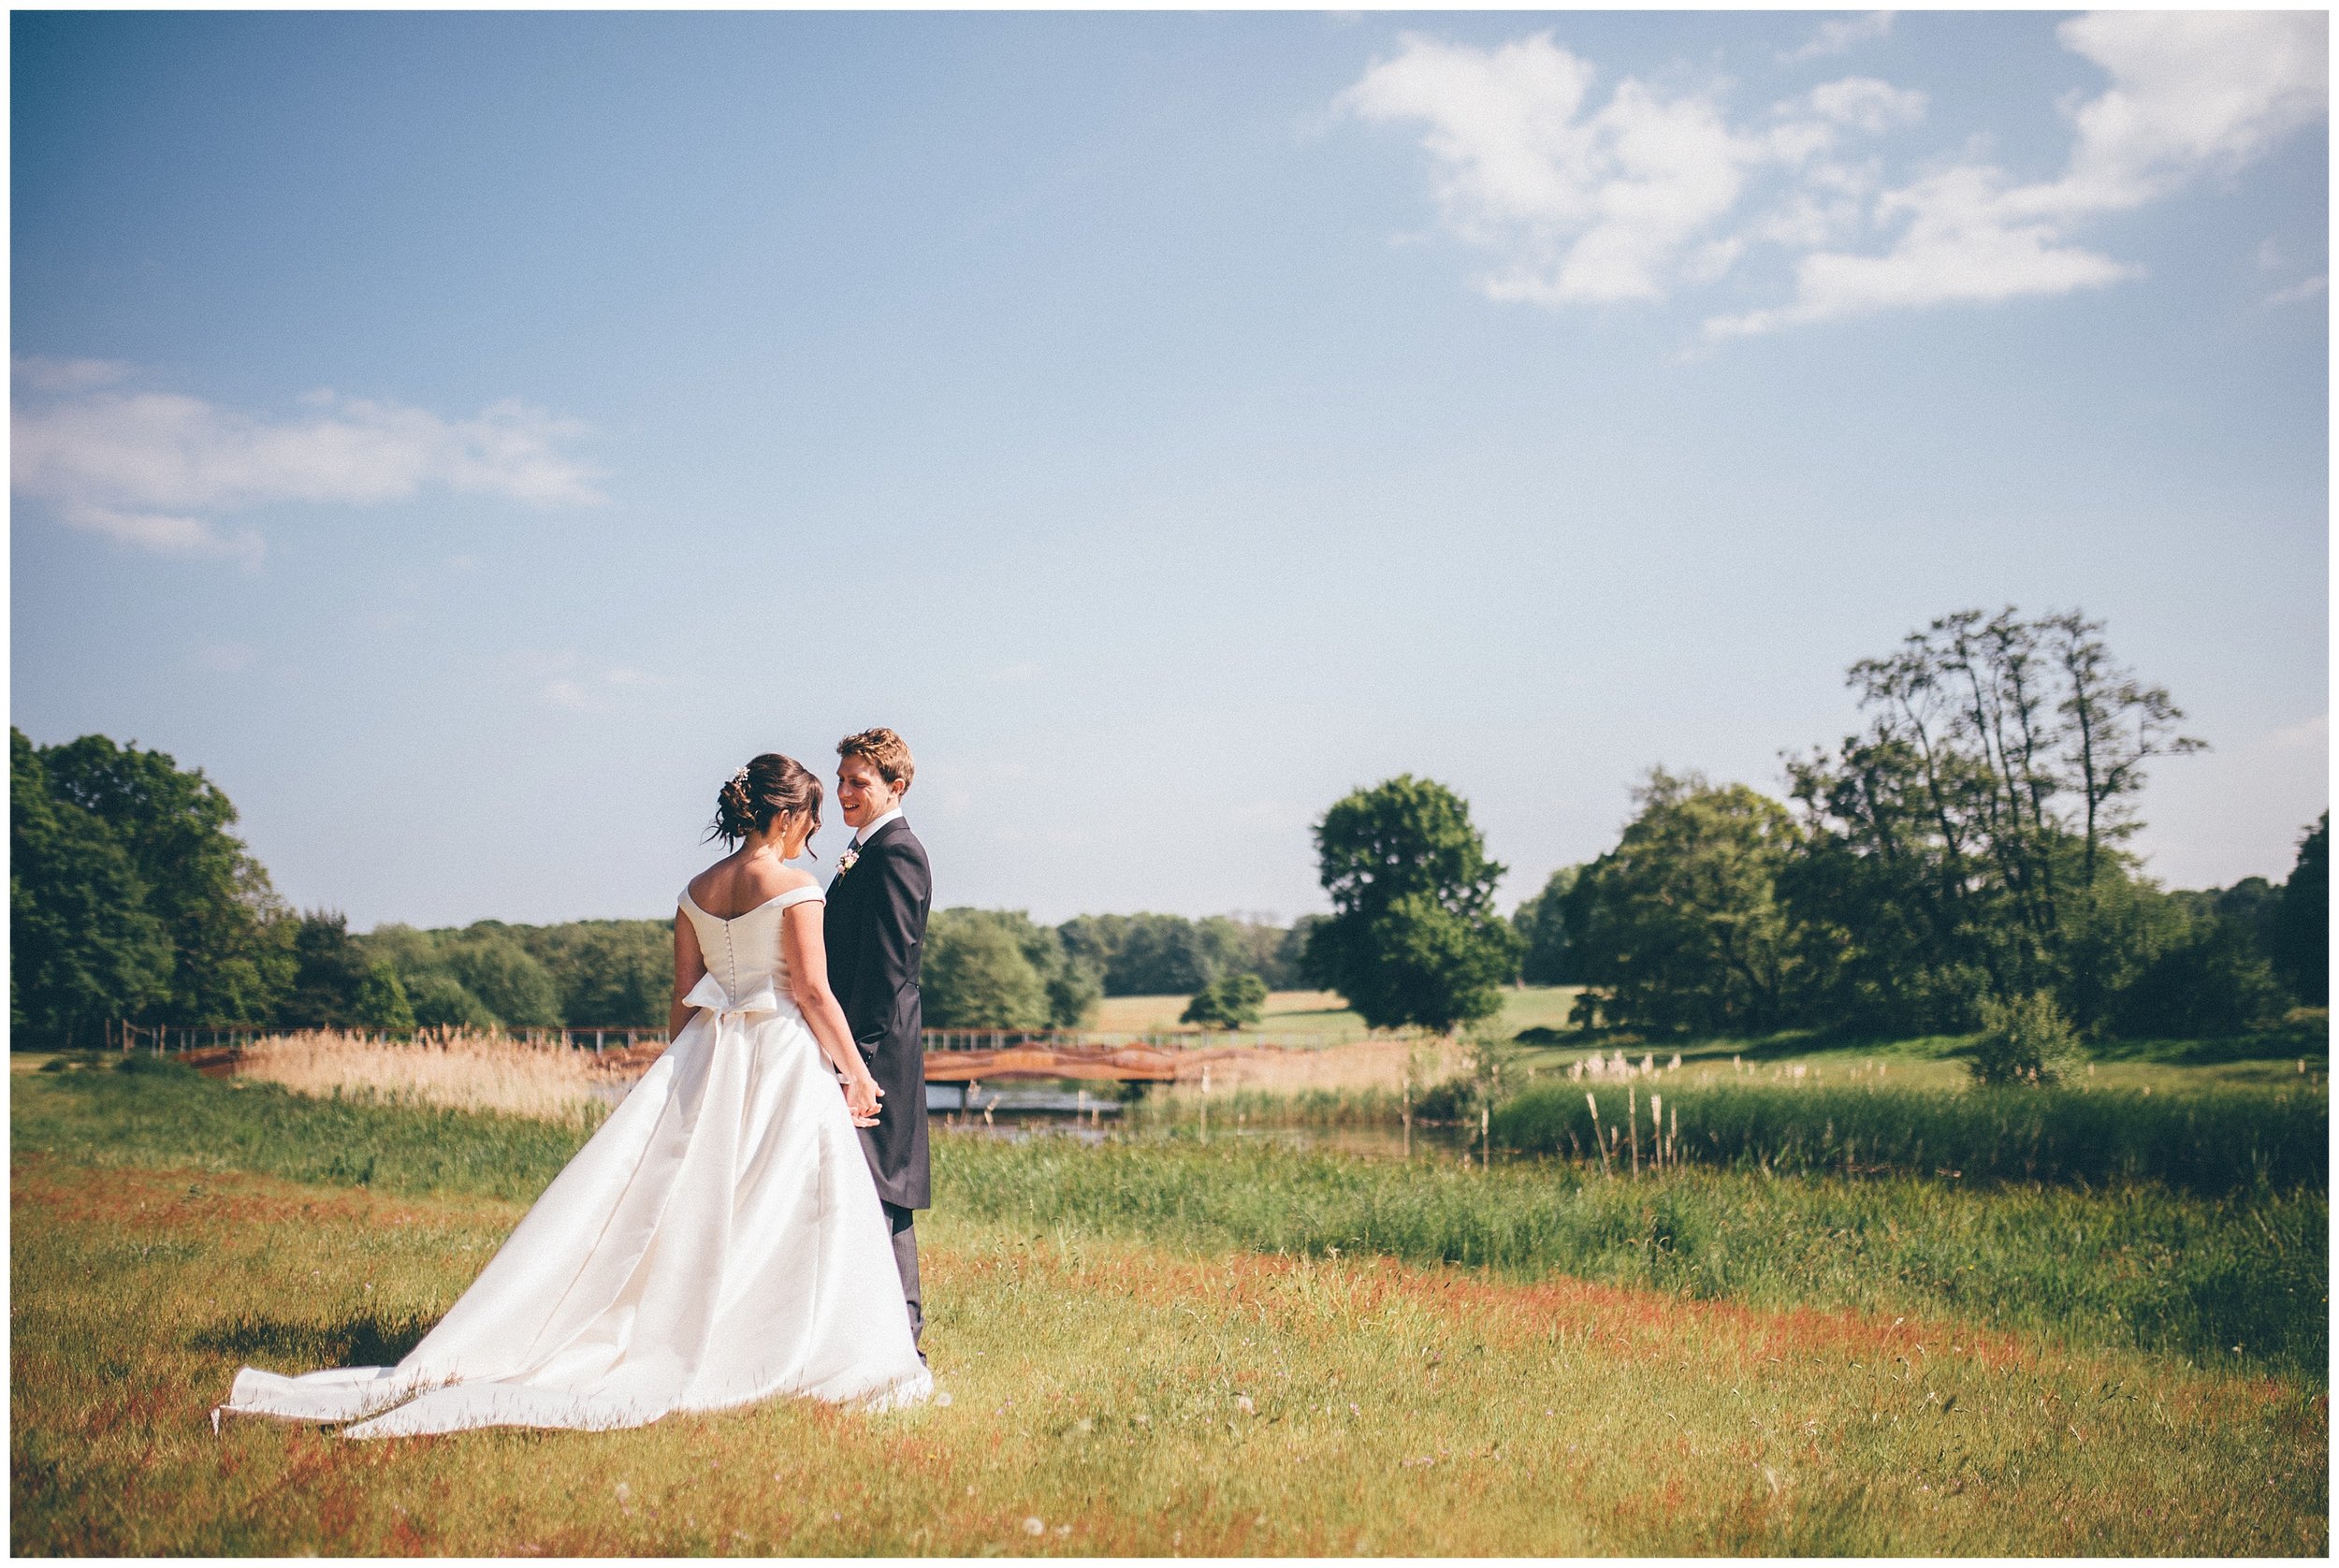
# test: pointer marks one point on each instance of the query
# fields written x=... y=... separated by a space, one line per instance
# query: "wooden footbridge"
x=1124 y=1064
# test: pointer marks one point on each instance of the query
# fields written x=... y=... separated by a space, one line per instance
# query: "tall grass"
x=2137 y=1266
x=2210 y=1139
x=462 y=1070
x=1304 y=1107
x=2219 y=1280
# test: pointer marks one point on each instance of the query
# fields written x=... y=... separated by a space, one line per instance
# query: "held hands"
x=862 y=1095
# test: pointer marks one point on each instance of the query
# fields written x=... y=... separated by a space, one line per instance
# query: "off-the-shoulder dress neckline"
x=734 y=920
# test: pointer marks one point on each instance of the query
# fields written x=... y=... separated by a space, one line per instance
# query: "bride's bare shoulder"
x=730 y=888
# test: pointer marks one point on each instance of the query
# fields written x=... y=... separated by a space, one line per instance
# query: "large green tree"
x=1547 y=954
x=1969 y=841
x=976 y=973
x=83 y=947
x=607 y=971
x=494 y=965
x=1414 y=937
x=336 y=985
x=229 y=934
x=1680 y=926
x=2299 y=933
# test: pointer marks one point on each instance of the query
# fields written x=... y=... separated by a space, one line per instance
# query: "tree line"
x=1967 y=847
x=1966 y=850
x=1000 y=969
x=131 y=897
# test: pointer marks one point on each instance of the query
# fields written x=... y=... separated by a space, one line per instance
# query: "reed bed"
x=455 y=1069
x=2210 y=1139
x=1381 y=1064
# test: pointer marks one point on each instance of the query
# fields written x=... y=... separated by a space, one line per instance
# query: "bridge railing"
x=1090 y=1040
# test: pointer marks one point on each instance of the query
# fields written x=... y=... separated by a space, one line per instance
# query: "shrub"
x=1229 y=1002
x=1454 y=1100
x=2026 y=1040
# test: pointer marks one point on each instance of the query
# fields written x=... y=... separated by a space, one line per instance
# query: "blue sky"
x=468 y=438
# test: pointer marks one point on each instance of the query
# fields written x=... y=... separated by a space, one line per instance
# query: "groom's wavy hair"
x=886 y=753
x=758 y=794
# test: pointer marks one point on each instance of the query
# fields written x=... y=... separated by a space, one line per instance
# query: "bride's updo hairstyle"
x=758 y=794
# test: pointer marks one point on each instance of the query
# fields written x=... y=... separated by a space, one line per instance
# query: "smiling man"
x=876 y=924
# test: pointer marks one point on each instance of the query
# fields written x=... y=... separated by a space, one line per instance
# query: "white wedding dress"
x=717 y=1243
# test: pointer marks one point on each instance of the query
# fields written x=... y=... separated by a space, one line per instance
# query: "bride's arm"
x=688 y=966
x=805 y=945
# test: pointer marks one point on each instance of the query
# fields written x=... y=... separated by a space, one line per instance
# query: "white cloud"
x=2300 y=292
x=2191 y=93
x=153 y=469
x=1583 y=201
x=1960 y=245
x=1582 y=204
x=1841 y=35
x=165 y=534
x=1866 y=104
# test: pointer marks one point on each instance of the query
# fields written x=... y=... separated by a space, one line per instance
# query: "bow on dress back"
x=718 y=1241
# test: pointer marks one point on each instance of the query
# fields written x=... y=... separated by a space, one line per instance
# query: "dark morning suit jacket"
x=875 y=928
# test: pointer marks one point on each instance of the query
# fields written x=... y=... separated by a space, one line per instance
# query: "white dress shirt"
x=870 y=832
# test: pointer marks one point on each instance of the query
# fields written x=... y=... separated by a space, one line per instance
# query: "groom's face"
x=862 y=793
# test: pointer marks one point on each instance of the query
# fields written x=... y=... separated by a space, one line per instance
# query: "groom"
x=876 y=926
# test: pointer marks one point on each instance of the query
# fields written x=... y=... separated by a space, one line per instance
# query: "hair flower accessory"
x=741 y=777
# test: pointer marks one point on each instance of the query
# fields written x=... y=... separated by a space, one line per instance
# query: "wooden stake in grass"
x=1657 y=1128
x=1407 y=1103
x=1632 y=1123
x=1673 y=1139
x=1486 y=1136
x=1597 y=1141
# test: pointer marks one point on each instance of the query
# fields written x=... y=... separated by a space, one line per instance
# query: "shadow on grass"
x=297 y=1346
x=2312 y=1043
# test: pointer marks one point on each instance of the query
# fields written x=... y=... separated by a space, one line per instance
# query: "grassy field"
x=1161 y=1347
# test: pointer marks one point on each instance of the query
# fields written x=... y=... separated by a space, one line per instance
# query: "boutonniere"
x=845 y=861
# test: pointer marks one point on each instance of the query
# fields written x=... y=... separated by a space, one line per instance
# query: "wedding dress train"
x=718 y=1241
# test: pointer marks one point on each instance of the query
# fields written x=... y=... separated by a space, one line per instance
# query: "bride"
x=718 y=1240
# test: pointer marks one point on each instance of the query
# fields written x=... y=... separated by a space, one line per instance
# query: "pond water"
x=1042 y=1100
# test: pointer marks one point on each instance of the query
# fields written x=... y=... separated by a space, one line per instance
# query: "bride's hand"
x=860 y=1098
